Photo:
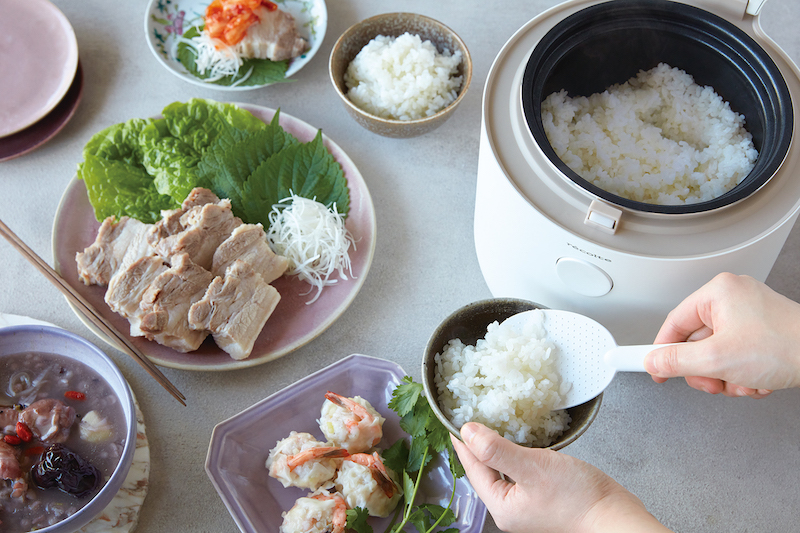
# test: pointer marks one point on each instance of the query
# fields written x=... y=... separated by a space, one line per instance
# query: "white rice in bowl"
x=507 y=382
x=403 y=78
x=658 y=138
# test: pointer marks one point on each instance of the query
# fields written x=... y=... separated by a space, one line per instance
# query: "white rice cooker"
x=544 y=234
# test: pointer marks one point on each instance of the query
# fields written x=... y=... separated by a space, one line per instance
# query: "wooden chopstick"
x=90 y=312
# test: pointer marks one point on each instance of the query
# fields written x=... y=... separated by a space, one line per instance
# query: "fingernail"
x=468 y=431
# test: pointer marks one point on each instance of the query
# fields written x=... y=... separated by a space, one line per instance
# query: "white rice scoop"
x=587 y=356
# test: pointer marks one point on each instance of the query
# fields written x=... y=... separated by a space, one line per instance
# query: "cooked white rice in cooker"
x=507 y=381
x=658 y=138
x=403 y=78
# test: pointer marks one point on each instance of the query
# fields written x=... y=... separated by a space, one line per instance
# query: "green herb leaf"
x=308 y=170
x=427 y=435
x=456 y=468
x=396 y=457
x=264 y=71
x=235 y=155
x=418 y=453
x=420 y=520
x=404 y=396
x=408 y=489
x=357 y=520
x=438 y=435
x=445 y=516
x=415 y=423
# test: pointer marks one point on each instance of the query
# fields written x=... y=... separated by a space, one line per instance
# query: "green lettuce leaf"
x=263 y=72
x=116 y=179
x=116 y=188
x=200 y=122
x=139 y=167
x=174 y=145
x=306 y=169
x=120 y=142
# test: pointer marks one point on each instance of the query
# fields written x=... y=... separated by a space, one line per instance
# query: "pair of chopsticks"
x=90 y=312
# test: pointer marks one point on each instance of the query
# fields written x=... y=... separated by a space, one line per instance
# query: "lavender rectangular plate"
x=240 y=445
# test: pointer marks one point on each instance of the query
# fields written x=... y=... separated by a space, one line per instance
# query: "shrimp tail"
x=323 y=452
x=354 y=407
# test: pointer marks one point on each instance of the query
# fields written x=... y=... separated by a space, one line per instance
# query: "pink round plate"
x=34 y=136
x=292 y=325
x=38 y=61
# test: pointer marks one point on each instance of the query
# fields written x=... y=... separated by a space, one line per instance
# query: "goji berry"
x=34 y=450
x=12 y=440
x=24 y=432
x=74 y=395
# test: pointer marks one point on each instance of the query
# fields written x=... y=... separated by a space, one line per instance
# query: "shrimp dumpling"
x=351 y=423
x=302 y=461
x=365 y=482
x=320 y=512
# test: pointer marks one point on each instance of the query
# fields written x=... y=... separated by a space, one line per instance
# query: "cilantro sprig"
x=428 y=437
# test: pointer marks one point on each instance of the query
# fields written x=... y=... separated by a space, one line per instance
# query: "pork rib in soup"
x=62 y=432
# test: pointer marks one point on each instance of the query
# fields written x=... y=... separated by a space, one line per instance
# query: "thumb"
x=678 y=360
x=490 y=449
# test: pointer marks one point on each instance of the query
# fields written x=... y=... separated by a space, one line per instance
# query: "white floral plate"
x=166 y=21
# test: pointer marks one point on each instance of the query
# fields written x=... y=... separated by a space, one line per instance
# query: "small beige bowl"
x=469 y=325
x=393 y=25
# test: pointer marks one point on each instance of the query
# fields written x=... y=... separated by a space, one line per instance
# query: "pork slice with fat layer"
x=273 y=37
x=127 y=287
x=248 y=243
x=205 y=227
x=166 y=302
x=235 y=309
x=118 y=244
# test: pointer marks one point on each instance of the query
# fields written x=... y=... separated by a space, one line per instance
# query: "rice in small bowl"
x=400 y=74
x=475 y=370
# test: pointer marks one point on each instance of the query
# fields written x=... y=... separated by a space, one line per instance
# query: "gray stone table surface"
x=699 y=462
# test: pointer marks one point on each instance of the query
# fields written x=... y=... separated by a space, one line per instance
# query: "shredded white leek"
x=218 y=63
x=313 y=239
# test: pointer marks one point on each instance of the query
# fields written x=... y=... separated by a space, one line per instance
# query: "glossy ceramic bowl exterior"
x=469 y=324
x=49 y=339
x=393 y=25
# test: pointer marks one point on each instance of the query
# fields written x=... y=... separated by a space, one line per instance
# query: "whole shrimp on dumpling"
x=302 y=461
x=351 y=423
x=320 y=512
x=365 y=482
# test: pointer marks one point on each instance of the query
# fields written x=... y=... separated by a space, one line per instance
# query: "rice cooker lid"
x=531 y=166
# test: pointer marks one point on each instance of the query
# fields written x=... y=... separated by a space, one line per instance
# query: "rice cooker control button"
x=583 y=277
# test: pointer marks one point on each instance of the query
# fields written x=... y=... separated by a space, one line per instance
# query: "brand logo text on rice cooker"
x=590 y=254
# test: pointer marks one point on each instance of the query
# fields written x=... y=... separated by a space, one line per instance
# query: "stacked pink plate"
x=42 y=79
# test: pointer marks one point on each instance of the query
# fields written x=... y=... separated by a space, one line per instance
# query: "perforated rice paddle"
x=587 y=355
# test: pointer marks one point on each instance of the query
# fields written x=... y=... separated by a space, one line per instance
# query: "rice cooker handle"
x=630 y=358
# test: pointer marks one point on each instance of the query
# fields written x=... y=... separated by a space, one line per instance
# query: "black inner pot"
x=611 y=42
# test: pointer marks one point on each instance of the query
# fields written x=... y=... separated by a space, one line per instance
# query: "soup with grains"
x=62 y=432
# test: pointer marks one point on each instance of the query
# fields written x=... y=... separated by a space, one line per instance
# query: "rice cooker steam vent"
x=607 y=43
